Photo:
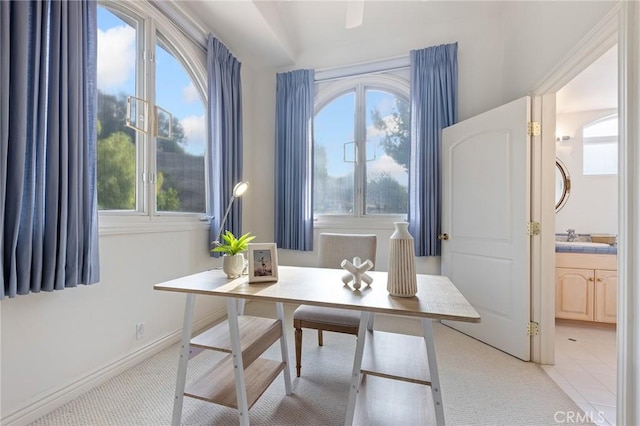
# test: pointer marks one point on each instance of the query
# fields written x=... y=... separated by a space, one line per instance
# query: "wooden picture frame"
x=263 y=262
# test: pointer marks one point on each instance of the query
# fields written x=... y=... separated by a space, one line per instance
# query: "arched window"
x=151 y=113
x=600 y=147
x=361 y=146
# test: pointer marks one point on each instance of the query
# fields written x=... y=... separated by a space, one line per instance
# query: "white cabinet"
x=586 y=287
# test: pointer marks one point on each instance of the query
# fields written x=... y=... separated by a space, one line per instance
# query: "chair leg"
x=320 y=337
x=298 y=350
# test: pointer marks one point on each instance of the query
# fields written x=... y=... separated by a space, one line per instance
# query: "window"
x=361 y=146
x=151 y=118
x=600 y=147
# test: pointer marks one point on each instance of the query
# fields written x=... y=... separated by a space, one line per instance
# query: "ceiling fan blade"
x=355 y=13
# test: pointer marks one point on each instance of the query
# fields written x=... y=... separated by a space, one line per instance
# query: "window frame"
x=612 y=139
x=395 y=82
x=156 y=29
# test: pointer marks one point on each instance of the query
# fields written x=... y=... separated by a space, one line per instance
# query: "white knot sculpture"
x=357 y=272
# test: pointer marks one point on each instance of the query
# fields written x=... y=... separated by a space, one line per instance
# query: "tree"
x=386 y=195
x=112 y=112
x=178 y=139
x=396 y=127
x=116 y=172
x=167 y=199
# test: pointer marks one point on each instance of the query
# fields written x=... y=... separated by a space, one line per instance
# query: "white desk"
x=437 y=298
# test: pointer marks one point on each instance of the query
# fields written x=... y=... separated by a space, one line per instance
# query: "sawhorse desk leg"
x=357 y=365
x=427 y=329
x=184 y=359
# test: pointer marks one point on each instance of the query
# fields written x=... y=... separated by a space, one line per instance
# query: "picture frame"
x=263 y=262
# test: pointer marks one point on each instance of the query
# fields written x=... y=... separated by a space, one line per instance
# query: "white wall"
x=540 y=35
x=592 y=206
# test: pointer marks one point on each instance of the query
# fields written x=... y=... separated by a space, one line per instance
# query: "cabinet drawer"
x=587 y=261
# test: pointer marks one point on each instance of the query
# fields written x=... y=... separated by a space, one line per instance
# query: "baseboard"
x=52 y=400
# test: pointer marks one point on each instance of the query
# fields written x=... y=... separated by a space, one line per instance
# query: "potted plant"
x=233 y=259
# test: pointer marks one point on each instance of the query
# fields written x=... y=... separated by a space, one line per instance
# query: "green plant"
x=233 y=245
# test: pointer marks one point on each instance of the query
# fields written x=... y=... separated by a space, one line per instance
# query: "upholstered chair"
x=333 y=249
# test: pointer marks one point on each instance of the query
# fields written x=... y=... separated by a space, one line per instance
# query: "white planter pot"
x=233 y=265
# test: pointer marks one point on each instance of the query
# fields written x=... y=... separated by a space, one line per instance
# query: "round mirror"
x=563 y=184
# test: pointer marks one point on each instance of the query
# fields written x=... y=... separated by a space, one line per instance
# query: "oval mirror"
x=563 y=185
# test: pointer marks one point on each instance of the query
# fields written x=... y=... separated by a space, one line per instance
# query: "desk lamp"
x=238 y=190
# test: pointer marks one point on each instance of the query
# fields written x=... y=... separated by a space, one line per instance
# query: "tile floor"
x=585 y=369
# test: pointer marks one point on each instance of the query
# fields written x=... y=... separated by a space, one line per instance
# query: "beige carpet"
x=480 y=386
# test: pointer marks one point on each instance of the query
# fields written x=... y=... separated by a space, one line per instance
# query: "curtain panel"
x=224 y=137
x=294 y=160
x=48 y=104
x=433 y=93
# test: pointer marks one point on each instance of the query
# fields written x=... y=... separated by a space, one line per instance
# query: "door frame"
x=598 y=41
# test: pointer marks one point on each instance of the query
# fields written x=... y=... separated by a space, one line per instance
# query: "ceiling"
x=281 y=34
x=593 y=89
x=278 y=33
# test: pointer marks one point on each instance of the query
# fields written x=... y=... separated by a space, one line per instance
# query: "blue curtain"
x=224 y=136
x=434 y=81
x=48 y=199
x=294 y=160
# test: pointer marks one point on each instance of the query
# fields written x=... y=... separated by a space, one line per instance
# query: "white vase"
x=233 y=265
x=401 y=279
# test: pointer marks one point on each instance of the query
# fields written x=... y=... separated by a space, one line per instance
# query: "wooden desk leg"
x=183 y=360
x=357 y=365
x=238 y=369
x=433 y=370
x=284 y=350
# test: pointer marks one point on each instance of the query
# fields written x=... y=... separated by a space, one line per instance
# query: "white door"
x=485 y=212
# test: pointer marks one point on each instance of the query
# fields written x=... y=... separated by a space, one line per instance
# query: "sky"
x=176 y=93
x=333 y=126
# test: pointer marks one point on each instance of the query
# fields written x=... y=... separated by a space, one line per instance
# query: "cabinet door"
x=606 y=293
x=574 y=293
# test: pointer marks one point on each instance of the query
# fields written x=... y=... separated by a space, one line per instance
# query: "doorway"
x=586 y=215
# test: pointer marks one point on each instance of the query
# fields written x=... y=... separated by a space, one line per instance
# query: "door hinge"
x=533 y=228
x=533 y=128
x=533 y=328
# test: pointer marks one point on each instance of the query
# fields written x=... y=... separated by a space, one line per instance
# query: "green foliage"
x=385 y=195
x=234 y=245
x=116 y=172
x=167 y=198
x=396 y=141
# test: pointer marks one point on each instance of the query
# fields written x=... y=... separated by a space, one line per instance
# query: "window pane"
x=600 y=147
x=180 y=181
x=116 y=172
x=387 y=153
x=334 y=157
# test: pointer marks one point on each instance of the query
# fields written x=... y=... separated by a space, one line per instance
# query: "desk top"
x=437 y=296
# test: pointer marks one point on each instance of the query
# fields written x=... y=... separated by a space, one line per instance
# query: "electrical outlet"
x=139 y=331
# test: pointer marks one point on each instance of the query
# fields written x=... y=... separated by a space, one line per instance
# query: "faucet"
x=571 y=235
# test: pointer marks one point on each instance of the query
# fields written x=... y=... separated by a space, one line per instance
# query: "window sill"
x=127 y=224
x=349 y=222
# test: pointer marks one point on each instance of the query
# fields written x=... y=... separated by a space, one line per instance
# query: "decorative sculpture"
x=357 y=272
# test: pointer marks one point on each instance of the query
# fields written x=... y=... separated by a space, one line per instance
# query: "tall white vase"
x=401 y=279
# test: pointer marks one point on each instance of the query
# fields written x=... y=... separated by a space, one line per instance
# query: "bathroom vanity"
x=586 y=282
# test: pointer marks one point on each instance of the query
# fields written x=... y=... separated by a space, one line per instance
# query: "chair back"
x=334 y=248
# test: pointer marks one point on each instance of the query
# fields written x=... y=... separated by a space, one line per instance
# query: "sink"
x=581 y=244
